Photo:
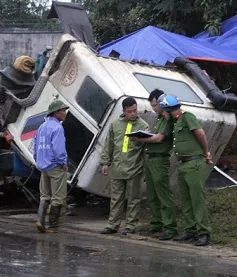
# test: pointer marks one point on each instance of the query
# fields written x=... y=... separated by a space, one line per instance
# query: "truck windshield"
x=93 y=99
x=180 y=89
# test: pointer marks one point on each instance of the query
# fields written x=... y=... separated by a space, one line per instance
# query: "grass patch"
x=222 y=208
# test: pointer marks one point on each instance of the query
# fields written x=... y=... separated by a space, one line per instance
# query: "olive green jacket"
x=185 y=143
x=126 y=157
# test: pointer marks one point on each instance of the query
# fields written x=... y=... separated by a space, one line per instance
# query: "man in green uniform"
x=126 y=159
x=159 y=194
x=190 y=147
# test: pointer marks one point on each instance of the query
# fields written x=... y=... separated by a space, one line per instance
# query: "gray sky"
x=62 y=1
x=50 y=2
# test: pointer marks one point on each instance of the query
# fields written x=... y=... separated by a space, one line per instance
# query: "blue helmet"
x=168 y=101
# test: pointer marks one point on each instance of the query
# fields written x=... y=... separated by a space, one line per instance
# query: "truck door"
x=81 y=129
x=79 y=135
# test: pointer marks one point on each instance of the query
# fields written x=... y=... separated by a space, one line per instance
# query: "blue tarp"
x=158 y=46
x=228 y=37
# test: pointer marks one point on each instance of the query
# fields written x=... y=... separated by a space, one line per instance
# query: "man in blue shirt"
x=51 y=160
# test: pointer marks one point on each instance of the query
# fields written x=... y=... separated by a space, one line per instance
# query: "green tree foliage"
x=214 y=11
x=114 y=18
x=25 y=14
x=14 y=10
x=109 y=17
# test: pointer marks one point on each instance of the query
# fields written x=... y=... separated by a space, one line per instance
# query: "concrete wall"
x=19 y=42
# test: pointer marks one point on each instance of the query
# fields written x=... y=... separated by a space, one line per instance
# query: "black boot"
x=127 y=231
x=155 y=230
x=108 y=231
x=40 y=225
x=54 y=219
x=167 y=235
x=184 y=237
x=203 y=240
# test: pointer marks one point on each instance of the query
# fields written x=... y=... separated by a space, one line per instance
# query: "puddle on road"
x=31 y=257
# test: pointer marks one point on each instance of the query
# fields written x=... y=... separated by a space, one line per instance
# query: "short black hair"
x=128 y=102
x=156 y=93
x=171 y=109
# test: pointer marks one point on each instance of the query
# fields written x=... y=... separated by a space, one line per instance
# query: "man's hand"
x=104 y=170
x=208 y=158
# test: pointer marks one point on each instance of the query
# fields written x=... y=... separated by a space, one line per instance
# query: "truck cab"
x=94 y=87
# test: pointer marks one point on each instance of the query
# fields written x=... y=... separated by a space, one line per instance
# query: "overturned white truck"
x=94 y=87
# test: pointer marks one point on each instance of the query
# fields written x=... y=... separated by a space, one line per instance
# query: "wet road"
x=25 y=253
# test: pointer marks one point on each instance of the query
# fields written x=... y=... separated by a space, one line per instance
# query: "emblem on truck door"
x=70 y=74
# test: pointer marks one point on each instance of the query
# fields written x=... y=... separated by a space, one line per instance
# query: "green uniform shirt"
x=185 y=143
x=126 y=157
x=163 y=126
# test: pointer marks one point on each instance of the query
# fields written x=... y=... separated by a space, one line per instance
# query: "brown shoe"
x=40 y=228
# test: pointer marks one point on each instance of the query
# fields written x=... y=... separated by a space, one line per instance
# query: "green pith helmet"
x=56 y=106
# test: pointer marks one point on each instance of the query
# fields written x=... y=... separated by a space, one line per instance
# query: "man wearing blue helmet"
x=191 y=148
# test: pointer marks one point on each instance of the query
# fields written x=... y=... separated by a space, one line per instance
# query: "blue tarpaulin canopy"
x=157 y=46
x=228 y=37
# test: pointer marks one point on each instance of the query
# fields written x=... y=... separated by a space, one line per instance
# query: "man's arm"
x=154 y=139
x=107 y=152
x=34 y=147
x=165 y=129
x=198 y=132
x=201 y=136
x=196 y=129
x=59 y=147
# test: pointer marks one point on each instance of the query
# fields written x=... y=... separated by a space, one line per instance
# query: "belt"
x=186 y=159
x=158 y=155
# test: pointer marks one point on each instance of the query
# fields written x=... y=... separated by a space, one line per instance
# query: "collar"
x=53 y=119
x=160 y=116
x=122 y=117
x=179 y=115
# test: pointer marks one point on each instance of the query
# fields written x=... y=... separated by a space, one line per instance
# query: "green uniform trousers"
x=159 y=194
x=53 y=186
x=192 y=177
x=120 y=188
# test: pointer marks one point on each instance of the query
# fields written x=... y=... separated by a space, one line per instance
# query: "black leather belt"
x=158 y=155
x=186 y=159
